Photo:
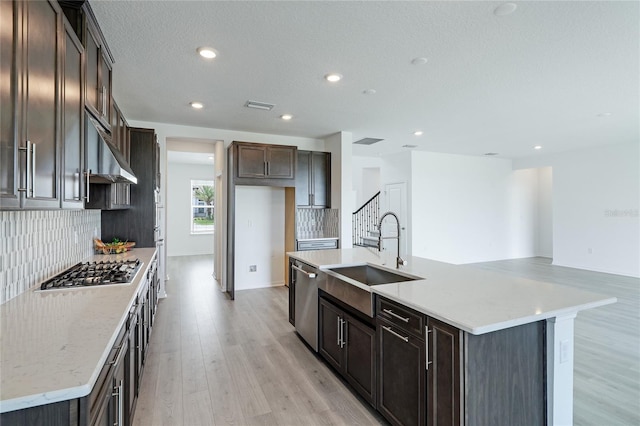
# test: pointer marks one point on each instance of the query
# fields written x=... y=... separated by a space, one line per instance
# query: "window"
x=202 y=198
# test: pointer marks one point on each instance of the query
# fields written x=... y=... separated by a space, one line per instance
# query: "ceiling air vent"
x=490 y=154
x=259 y=105
x=409 y=146
x=367 y=141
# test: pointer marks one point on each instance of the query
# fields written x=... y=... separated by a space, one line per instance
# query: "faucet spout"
x=399 y=260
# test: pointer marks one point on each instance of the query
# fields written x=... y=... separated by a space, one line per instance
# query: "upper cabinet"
x=73 y=176
x=313 y=179
x=261 y=164
x=32 y=107
x=99 y=68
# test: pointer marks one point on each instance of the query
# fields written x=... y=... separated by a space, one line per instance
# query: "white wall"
x=179 y=240
x=596 y=197
x=342 y=193
x=462 y=208
x=544 y=243
x=365 y=178
x=259 y=236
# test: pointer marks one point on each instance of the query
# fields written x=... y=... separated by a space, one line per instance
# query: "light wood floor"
x=213 y=361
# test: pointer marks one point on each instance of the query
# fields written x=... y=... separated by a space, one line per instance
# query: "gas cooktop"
x=94 y=274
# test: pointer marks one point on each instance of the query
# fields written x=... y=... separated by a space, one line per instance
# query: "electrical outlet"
x=253 y=268
x=565 y=348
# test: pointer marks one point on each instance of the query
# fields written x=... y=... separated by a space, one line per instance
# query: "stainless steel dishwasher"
x=306 y=301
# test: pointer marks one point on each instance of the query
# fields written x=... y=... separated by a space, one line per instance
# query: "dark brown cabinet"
x=9 y=196
x=348 y=344
x=401 y=364
x=42 y=108
x=258 y=161
x=137 y=223
x=73 y=178
x=99 y=70
x=32 y=59
x=313 y=179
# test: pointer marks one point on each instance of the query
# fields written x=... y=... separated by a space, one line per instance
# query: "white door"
x=395 y=195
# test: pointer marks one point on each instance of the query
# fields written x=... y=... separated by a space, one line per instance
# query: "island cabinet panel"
x=348 y=345
x=505 y=377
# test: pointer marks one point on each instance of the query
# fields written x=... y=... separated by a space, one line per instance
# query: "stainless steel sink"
x=340 y=284
x=370 y=275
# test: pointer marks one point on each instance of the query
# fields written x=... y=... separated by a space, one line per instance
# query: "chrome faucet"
x=399 y=260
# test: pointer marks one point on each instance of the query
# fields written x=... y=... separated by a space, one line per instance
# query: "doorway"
x=395 y=196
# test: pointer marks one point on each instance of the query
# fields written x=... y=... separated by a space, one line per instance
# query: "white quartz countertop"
x=55 y=342
x=471 y=299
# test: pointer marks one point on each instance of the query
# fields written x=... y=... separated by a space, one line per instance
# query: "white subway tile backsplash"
x=35 y=245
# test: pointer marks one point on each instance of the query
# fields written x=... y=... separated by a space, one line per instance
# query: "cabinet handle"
x=87 y=174
x=426 y=346
x=339 y=333
x=308 y=274
x=120 y=410
x=33 y=170
x=406 y=339
x=27 y=149
x=343 y=338
x=393 y=314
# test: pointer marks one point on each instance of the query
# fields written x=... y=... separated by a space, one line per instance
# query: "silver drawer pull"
x=393 y=314
x=308 y=274
x=406 y=339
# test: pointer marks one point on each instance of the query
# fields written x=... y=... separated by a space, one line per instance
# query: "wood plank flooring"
x=214 y=362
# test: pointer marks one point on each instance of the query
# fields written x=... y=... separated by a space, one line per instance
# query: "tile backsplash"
x=35 y=245
x=317 y=223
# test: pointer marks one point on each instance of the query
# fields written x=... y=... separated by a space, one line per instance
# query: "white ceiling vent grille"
x=367 y=141
x=259 y=105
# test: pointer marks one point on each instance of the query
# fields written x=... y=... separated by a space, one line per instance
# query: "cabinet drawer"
x=405 y=318
x=317 y=245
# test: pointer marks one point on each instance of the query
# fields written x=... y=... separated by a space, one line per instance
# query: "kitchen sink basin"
x=339 y=283
x=370 y=275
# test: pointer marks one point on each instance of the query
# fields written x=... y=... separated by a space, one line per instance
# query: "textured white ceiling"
x=539 y=76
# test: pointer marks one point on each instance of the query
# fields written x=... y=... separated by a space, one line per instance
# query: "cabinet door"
x=443 y=374
x=8 y=84
x=360 y=356
x=120 y=383
x=303 y=184
x=105 y=86
x=252 y=161
x=330 y=334
x=401 y=375
x=41 y=107
x=73 y=182
x=281 y=162
x=92 y=48
x=320 y=179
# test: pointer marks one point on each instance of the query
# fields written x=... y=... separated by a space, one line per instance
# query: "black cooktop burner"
x=95 y=273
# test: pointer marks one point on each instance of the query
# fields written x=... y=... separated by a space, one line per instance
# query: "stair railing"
x=365 y=219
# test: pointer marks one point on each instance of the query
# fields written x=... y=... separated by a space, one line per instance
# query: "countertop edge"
x=80 y=391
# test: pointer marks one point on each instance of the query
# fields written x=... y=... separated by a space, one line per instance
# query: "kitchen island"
x=55 y=343
x=488 y=305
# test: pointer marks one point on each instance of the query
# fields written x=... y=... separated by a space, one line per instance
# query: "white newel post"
x=560 y=370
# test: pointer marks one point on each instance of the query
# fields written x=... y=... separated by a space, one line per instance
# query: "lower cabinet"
x=401 y=375
x=348 y=344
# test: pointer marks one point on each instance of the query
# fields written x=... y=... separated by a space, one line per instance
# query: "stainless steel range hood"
x=105 y=163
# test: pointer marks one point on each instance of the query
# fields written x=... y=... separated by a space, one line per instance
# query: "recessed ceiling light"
x=505 y=9
x=537 y=147
x=418 y=133
x=286 y=116
x=604 y=114
x=207 y=52
x=419 y=61
x=333 y=77
x=197 y=105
